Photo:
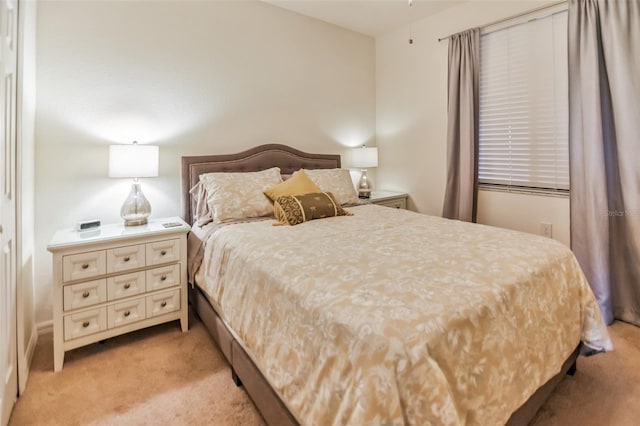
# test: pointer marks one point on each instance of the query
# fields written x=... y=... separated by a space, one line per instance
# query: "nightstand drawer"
x=125 y=258
x=164 y=277
x=126 y=312
x=125 y=285
x=396 y=204
x=84 y=294
x=84 y=323
x=163 y=252
x=162 y=303
x=84 y=265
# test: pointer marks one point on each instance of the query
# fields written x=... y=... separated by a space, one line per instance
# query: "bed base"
x=245 y=373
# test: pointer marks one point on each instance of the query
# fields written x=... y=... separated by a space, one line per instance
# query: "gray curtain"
x=604 y=144
x=462 y=130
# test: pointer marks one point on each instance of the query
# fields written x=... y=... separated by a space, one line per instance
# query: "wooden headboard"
x=252 y=160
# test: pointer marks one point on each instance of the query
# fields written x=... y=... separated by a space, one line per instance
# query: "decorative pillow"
x=336 y=181
x=295 y=209
x=201 y=215
x=233 y=196
x=298 y=183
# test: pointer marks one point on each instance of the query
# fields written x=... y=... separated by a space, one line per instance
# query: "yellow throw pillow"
x=295 y=209
x=299 y=183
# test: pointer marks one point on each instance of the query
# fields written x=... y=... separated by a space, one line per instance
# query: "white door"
x=8 y=314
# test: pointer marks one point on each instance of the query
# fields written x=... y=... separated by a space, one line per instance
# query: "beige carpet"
x=161 y=376
x=156 y=376
x=604 y=391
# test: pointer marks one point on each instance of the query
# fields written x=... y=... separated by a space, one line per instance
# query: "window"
x=524 y=106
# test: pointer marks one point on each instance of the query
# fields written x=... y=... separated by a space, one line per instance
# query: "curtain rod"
x=510 y=17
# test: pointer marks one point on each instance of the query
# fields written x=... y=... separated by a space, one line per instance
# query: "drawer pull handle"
x=85 y=294
x=85 y=266
x=127 y=286
x=163 y=304
x=85 y=324
x=163 y=278
x=163 y=252
x=126 y=259
x=126 y=313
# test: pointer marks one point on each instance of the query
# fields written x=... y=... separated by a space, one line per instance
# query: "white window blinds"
x=524 y=106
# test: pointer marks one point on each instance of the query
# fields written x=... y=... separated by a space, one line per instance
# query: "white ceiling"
x=371 y=17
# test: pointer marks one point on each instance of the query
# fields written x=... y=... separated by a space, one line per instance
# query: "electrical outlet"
x=546 y=229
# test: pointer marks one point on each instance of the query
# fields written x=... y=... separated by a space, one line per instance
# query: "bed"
x=479 y=326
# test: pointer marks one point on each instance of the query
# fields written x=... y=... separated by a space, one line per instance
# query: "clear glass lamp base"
x=364 y=187
x=136 y=208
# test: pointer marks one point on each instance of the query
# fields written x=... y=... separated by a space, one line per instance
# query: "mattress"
x=393 y=317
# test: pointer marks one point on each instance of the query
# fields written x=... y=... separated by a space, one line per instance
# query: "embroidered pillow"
x=296 y=209
x=298 y=183
x=234 y=196
x=336 y=181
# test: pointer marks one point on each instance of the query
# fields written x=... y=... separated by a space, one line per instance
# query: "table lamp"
x=363 y=158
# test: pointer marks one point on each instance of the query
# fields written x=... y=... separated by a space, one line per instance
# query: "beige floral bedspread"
x=390 y=317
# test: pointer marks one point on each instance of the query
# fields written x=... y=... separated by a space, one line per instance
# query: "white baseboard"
x=31 y=346
x=28 y=355
x=45 y=327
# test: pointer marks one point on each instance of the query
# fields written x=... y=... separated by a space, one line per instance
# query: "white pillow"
x=336 y=181
x=234 y=196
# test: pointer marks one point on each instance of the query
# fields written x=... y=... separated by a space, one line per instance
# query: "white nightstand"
x=115 y=280
x=397 y=200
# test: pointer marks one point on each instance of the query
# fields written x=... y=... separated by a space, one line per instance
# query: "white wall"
x=191 y=77
x=411 y=120
x=524 y=212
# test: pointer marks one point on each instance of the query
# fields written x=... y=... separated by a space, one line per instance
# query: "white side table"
x=117 y=279
x=397 y=200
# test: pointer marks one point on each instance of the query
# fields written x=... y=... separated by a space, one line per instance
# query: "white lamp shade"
x=365 y=157
x=133 y=161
